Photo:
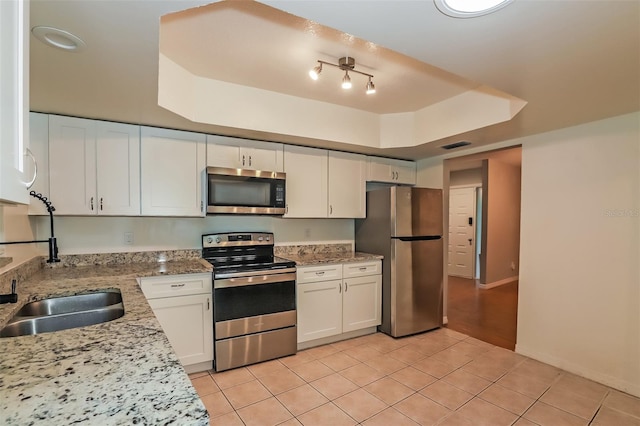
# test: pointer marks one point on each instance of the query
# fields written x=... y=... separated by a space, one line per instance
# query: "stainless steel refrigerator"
x=404 y=224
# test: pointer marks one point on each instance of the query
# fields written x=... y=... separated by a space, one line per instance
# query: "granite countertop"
x=119 y=372
x=308 y=259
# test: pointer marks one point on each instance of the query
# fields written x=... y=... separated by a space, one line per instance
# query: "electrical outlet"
x=513 y=265
x=307 y=232
x=128 y=238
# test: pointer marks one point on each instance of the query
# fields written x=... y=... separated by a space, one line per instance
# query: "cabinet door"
x=188 y=323
x=306 y=190
x=39 y=146
x=14 y=94
x=72 y=165
x=404 y=172
x=347 y=185
x=172 y=162
x=379 y=170
x=319 y=308
x=118 y=169
x=223 y=151
x=361 y=302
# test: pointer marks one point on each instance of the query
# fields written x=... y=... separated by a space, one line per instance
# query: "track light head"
x=346 y=81
x=371 y=88
x=315 y=72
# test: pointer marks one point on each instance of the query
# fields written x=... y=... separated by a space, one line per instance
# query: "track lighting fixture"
x=346 y=64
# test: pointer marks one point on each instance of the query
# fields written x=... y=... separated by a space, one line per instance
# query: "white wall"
x=77 y=235
x=579 y=290
x=579 y=299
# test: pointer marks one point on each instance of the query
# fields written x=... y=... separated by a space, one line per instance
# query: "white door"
x=306 y=191
x=118 y=169
x=188 y=323
x=72 y=165
x=361 y=304
x=347 y=185
x=462 y=223
x=172 y=162
x=319 y=310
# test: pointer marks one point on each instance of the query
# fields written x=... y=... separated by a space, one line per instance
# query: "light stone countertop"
x=119 y=372
x=309 y=259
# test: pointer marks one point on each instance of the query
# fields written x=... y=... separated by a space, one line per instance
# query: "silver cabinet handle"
x=330 y=209
x=243 y=160
x=363 y=268
x=249 y=161
x=346 y=286
x=100 y=203
x=28 y=153
x=177 y=285
x=91 y=202
x=208 y=306
x=340 y=288
x=320 y=273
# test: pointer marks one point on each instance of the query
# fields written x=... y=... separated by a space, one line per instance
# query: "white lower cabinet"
x=183 y=306
x=338 y=298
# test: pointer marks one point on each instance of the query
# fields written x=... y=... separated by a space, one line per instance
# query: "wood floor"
x=489 y=315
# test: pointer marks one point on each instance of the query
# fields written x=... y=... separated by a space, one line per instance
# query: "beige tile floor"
x=437 y=378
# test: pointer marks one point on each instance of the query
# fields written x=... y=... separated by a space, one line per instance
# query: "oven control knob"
x=218 y=240
x=209 y=240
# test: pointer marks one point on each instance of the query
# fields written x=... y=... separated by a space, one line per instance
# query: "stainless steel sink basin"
x=61 y=313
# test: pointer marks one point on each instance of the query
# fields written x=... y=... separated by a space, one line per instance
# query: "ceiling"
x=571 y=61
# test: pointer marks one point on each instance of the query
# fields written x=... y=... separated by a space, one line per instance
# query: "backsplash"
x=301 y=250
x=20 y=273
x=71 y=260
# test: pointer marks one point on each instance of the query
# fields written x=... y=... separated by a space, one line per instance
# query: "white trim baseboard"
x=605 y=379
x=497 y=283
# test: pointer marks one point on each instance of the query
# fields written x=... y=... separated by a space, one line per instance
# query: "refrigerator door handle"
x=419 y=238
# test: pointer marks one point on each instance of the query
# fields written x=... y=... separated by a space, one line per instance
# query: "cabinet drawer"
x=175 y=285
x=361 y=269
x=311 y=274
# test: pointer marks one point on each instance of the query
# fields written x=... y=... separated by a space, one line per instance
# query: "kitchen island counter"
x=119 y=372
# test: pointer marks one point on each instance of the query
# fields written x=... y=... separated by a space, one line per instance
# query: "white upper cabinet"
x=39 y=145
x=172 y=162
x=306 y=190
x=323 y=183
x=94 y=167
x=389 y=170
x=223 y=151
x=14 y=98
x=347 y=192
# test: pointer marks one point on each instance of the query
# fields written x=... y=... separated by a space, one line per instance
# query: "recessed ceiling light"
x=469 y=8
x=61 y=39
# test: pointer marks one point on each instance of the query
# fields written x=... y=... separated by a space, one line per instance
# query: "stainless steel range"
x=254 y=299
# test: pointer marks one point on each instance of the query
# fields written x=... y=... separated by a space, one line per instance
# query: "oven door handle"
x=252 y=273
x=253 y=280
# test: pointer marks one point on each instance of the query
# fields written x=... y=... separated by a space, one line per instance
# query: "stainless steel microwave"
x=240 y=191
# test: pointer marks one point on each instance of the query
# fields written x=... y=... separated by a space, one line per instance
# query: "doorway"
x=482 y=199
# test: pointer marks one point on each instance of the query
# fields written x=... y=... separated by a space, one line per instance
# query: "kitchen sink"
x=62 y=313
